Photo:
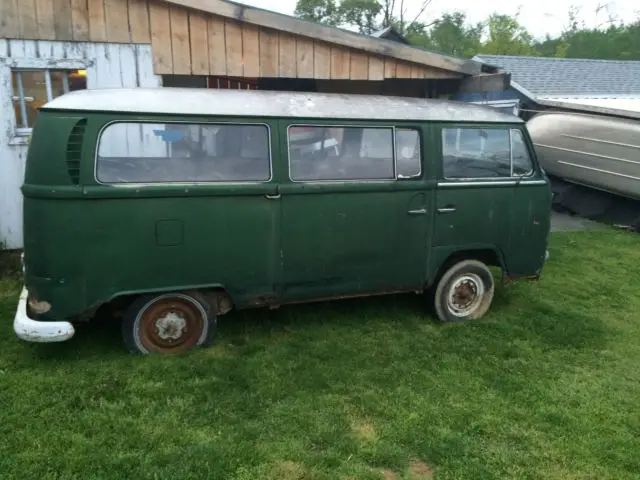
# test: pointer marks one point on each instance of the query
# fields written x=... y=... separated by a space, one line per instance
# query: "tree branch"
x=425 y=4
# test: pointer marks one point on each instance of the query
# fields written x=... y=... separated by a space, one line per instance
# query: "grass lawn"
x=547 y=386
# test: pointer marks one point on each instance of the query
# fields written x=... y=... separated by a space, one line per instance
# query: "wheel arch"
x=489 y=255
x=215 y=296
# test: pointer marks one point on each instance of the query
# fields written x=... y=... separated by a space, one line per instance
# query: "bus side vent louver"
x=74 y=151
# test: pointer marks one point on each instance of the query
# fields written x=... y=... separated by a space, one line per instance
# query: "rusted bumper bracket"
x=36 y=331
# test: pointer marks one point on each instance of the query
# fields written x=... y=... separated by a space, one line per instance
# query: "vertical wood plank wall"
x=188 y=42
x=107 y=65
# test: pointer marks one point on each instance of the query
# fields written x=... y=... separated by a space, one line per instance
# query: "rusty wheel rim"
x=465 y=295
x=172 y=324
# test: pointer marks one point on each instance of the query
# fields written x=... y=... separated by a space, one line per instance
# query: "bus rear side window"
x=181 y=152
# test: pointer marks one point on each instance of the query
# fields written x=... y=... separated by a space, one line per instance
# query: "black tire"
x=477 y=289
x=171 y=323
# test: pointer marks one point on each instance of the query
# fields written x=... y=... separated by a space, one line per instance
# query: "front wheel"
x=464 y=292
x=167 y=324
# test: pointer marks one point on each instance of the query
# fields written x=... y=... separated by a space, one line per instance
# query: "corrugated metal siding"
x=107 y=65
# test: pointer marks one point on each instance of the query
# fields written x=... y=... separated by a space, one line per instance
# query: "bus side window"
x=408 y=153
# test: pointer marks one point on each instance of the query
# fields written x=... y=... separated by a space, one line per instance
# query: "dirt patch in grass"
x=420 y=471
x=365 y=432
x=389 y=475
x=289 y=471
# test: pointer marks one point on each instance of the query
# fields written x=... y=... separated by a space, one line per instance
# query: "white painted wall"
x=108 y=66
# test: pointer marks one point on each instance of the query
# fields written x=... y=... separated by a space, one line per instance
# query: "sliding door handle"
x=273 y=197
x=447 y=210
x=422 y=211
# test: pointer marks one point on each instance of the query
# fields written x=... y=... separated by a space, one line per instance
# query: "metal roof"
x=252 y=103
x=569 y=76
x=626 y=106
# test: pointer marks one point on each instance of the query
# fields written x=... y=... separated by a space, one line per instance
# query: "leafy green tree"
x=450 y=34
x=362 y=14
x=319 y=11
x=366 y=16
x=507 y=37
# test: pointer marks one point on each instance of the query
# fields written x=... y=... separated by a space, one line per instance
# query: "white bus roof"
x=257 y=103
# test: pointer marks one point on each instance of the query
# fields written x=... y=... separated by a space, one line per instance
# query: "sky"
x=539 y=17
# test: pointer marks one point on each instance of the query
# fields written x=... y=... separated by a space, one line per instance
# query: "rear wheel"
x=464 y=292
x=170 y=323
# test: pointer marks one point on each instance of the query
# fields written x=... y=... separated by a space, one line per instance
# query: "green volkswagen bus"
x=176 y=206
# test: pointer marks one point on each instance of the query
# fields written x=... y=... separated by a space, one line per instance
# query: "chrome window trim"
x=180 y=183
x=489 y=180
x=338 y=181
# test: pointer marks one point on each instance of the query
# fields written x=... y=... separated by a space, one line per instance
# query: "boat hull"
x=591 y=150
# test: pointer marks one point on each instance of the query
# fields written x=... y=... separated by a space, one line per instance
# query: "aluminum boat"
x=597 y=151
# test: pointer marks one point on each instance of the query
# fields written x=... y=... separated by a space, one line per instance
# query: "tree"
x=507 y=37
x=319 y=11
x=397 y=15
x=366 y=16
x=361 y=14
x=449 y=34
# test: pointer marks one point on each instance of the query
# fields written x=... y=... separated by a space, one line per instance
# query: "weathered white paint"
x=107 y=65
x=31 y=330
x=266 y=103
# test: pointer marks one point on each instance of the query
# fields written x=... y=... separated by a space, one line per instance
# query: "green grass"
x=546 y=386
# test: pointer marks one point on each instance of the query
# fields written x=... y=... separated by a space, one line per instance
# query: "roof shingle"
x=569 y=76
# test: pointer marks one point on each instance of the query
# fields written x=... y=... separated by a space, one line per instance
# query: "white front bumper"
x=35 y=331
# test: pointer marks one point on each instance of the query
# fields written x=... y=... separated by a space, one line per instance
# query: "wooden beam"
x=233 y=41
x=44 y=10
x=80 y=20
x=139 y=21
x=217 y=46
x=359 y=66
x=28 y=19
x=304 y=58
x=269 y=53
x=340 y=63
x=321 y=60
x=390 y=67
x=62 y=19
x=180 y=48
x=116 y=15
x=287 y=56
x=160 y=25
x=9 y=25
x=284 y=23
x=97 y=22
x=199 y=43
x=376 y=68
x=403 y=70
x=493 y=82
x=251 y=50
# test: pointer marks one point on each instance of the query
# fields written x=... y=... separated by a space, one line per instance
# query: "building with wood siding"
x=49 y=47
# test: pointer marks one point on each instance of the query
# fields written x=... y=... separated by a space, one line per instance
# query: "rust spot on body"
x=38 y=307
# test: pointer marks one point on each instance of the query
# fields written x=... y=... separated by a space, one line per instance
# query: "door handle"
x=273 y=197
x=422 y=211
x=447 y=210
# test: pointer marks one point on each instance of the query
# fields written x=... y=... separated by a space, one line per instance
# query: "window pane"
x=77 y=80
x=408 y=152
x=57 y=85
x=476 y=153
x=35 y=95
x=20 y=122
x=163 y=153
x=522 y=165
x=340 y=153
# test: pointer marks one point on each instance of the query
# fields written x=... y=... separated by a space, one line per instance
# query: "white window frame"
x=22 y=130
